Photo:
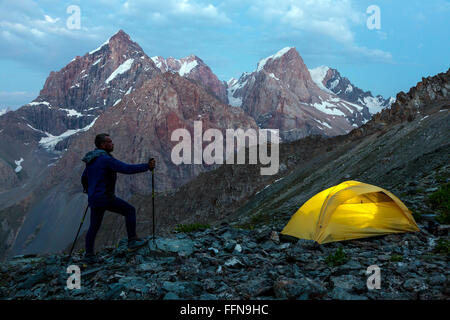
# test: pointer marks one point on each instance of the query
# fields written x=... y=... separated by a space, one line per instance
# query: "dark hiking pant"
x=118 y=206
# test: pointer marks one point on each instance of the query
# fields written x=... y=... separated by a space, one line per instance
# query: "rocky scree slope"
x=223 y=262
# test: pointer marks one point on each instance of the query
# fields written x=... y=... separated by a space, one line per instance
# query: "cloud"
x=319 y=21
x=50 y=19
x=331 y=18
x=16 y=99
x=172 y=9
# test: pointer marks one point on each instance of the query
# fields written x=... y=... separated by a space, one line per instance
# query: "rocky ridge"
x=330 y=80
x=192 y=67
x=226 y=263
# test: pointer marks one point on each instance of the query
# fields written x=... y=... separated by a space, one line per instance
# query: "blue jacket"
x=99 y=176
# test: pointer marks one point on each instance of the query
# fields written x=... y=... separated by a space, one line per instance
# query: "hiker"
x=99 y=180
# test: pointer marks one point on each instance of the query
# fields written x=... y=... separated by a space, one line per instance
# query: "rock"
x=384 y=257
x=207 y=296
x=345 y=281
x=306 y=244
x=352 y=265
x=213 y=250
x=152 y=266
x=33 y=280
x=274 y=237
x=171 y=296
x=437 y=280
x=286 y=288
x=230 y=245
x=182 y=288
x=185 y=246
x=414 y=285
x=234 y=262
x=342 y=294
x=115 y=291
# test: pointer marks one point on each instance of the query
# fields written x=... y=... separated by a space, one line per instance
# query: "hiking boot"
x=90 y=258
x=137 y=243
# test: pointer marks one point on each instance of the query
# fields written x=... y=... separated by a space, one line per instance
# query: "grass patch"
x=255 y=220
x=339 y=257
x=417 y=215
x=442 y=246
x=440 y=200
x=187 y=228
x=396 y=258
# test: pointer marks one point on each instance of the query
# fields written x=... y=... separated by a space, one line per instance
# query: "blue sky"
x=231 y=37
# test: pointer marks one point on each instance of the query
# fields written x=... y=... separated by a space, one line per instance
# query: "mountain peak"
x=275 y=56
x=120 y=34
x=119 y=40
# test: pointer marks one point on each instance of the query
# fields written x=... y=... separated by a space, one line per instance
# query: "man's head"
x=104 y=142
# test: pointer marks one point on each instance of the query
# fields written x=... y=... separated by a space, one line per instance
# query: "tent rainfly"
x=350 y=210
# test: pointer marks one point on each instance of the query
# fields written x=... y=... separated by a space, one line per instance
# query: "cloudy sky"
x=410 y=42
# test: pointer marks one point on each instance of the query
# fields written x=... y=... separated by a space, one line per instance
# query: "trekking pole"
x=153 y=203
x=81 y=224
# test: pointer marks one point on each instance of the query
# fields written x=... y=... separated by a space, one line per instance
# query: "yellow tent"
x=350 y=210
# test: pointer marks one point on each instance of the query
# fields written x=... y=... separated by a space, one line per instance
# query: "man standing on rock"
x=99 y=181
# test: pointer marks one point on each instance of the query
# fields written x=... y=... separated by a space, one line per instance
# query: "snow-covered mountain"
x=69 y=104
x=330 y=80
x=280 y=94
x=4 y=110
x=192 y=67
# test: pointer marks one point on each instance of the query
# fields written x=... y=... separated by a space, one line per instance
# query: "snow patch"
x=118 y=101
x=51 y=141
x=95 y=50
x=124 y=67
x=349 y=89
x=72 y=113
x=273 y=76
x=38 y=103
x=100 y=59
x=157 y=62
x=186 y=67
x=373 y=104
x=129 y=90
x=328 y=108
x=334 y=84
x=324 y=123
x=275 y=56
x=318 y=74
x=234 y=85
x=18 y=164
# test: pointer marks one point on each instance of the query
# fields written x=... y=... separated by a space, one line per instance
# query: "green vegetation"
x=440 y=200
x=442 y=246
x=187 y=228
x=337 y=258
x=417 y=215
x=255 y=220
x=396 y=258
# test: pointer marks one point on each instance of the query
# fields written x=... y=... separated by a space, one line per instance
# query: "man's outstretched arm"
x=125 y=168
